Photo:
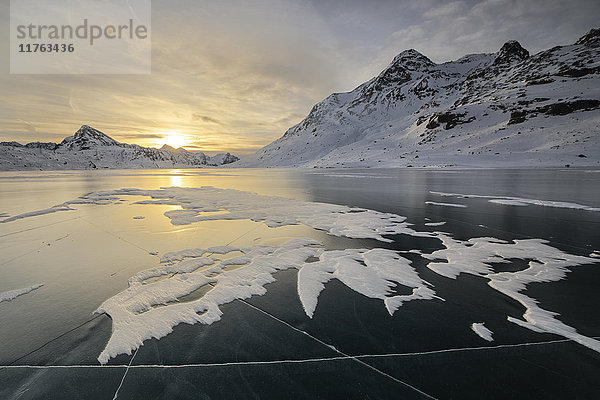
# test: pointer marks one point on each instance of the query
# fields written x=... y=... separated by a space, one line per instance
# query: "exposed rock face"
x=592 y=38
x=511 y=52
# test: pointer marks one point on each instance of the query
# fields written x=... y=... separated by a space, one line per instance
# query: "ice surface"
x=434 y=203
x=519 y=201
x=483 y=332
x=12 y=294
x=151 y=306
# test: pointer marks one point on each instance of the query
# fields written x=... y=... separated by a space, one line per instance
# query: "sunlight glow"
x=174 y=139
x=175 y=179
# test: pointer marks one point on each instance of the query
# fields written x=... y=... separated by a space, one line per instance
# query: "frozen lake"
x=354 y=283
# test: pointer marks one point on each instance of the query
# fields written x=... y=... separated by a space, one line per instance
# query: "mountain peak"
x=87 y=136
x=412 y=60
x=592 y=38
x=86 y=130
x=511 y=51
x=399 y=71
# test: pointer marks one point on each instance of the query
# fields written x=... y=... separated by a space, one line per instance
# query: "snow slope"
x=502 y=109
x=89 y=148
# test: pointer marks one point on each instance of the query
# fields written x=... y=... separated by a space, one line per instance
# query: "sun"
x=174 y=139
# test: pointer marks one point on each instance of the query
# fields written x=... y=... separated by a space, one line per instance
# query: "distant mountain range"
x=89 y=148
x=501 y=109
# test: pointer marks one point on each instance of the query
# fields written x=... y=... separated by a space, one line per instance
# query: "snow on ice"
x=13 y=294
x=150 y=309
x=519 y=201
x=434 y=203
x=483 y=332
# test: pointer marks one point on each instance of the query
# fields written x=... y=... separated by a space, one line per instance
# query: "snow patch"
x=150 y=309
x=372 y=273
x=60 y=207
x=12 y=294
x=519 y=201
x=547 y=264
x=482 y=331
x=434 y=203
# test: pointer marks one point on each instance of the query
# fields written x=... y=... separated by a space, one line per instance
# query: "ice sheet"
x=150 y=307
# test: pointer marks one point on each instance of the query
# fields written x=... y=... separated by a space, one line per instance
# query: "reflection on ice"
x=200 y=204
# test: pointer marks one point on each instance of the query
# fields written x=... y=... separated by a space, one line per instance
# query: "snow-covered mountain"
x=501 y=109
x=89 y=148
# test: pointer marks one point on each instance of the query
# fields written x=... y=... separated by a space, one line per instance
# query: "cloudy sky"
x=234 y=75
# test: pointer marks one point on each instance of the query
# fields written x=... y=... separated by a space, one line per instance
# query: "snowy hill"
x=89 y=148
x=501 y=109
